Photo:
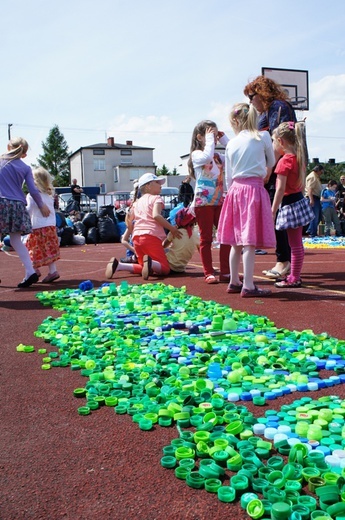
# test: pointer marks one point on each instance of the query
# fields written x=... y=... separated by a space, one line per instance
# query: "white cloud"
x=325 y=119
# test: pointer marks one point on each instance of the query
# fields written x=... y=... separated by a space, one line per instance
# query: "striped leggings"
x=297 y=253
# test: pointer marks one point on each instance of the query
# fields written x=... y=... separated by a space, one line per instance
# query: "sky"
x=149 y=70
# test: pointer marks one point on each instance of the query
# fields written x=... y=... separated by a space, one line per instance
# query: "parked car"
x=86 y=204
x=122 y=199
x=170 y=197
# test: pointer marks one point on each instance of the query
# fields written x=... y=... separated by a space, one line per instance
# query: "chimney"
x=129 y=143
x=111 y=141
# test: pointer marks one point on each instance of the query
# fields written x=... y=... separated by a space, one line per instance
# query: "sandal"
x=211 y=279
x=285 y=284
x=111 y=268
x=273 y=273
x=255 y=293
x=147 y=267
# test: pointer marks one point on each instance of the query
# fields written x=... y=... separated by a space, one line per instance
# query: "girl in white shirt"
x=43 y=242
x=246 y=218
x=205 y=165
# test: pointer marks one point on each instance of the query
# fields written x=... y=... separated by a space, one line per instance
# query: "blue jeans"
x=313 y=225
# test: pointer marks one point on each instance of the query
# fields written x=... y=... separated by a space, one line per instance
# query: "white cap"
x=149 y=177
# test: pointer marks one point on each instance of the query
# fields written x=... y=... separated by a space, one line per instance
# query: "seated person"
x=181 y=250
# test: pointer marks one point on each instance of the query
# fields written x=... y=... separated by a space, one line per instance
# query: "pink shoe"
x=51 y=277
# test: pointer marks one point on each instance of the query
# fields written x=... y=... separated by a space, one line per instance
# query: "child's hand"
x=211 y=130
x=45 y=210
x=176 y=233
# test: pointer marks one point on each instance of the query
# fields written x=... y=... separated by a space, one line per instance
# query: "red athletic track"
x=56 y=464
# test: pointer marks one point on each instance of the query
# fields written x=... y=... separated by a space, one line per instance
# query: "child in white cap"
x=148 y=233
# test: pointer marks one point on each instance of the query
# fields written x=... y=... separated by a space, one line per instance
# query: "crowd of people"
x=255 y=195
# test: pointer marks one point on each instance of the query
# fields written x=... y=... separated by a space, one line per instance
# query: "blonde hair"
x=17 y=147
x=43 y=180
x=246 y=118
x=295 y=135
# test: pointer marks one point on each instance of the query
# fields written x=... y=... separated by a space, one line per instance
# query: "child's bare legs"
x=23 y=253
x=234 y=261
x=248 y=258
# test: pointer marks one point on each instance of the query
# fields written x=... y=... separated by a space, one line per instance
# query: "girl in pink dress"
x=246 y=218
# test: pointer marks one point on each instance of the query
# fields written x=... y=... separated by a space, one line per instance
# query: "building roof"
x=108 y=146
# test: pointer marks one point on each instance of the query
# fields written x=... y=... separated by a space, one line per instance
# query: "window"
x=126 y=152
x=98 y=152
x=99 y=164
x=134 y=174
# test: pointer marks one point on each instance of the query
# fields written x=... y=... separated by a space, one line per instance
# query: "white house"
x=111 y=166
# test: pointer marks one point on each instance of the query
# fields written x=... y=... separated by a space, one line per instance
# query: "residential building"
x=111 y=166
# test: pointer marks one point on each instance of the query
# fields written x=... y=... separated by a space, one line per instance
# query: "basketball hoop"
x=299 y=103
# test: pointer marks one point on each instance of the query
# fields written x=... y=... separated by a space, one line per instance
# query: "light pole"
x=9 y=131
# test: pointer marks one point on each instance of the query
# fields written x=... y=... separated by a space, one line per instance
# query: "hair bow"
x=291 y=125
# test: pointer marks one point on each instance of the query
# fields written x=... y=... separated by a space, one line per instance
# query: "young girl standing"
x=43 y=243
x=148 y=232
x=294 y=210
x=246 y=218
x=14 y=218
x=206 y=167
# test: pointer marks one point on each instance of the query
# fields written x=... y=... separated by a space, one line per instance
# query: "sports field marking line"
x=305 y=286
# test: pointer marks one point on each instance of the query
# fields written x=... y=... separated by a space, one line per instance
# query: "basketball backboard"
x=295 y=82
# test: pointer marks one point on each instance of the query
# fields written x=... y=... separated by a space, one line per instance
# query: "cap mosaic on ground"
x=168 y=358
x=324 y=242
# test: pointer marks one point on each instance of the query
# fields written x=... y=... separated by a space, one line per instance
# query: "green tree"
x=163 y=170
x=55 y=157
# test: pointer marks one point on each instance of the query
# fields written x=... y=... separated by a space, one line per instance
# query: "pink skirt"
x=246 y=217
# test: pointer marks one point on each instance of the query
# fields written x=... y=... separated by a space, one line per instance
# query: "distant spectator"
x=328 y=209
x=313 y=188
x=186 y=192
x=76 y=191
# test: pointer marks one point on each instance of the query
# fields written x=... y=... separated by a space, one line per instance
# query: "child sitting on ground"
x=182 y=249
x=148 y=232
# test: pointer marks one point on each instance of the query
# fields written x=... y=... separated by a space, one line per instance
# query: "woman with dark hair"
x=272 y=103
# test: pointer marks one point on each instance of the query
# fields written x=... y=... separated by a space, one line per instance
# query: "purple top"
x=12 y=176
